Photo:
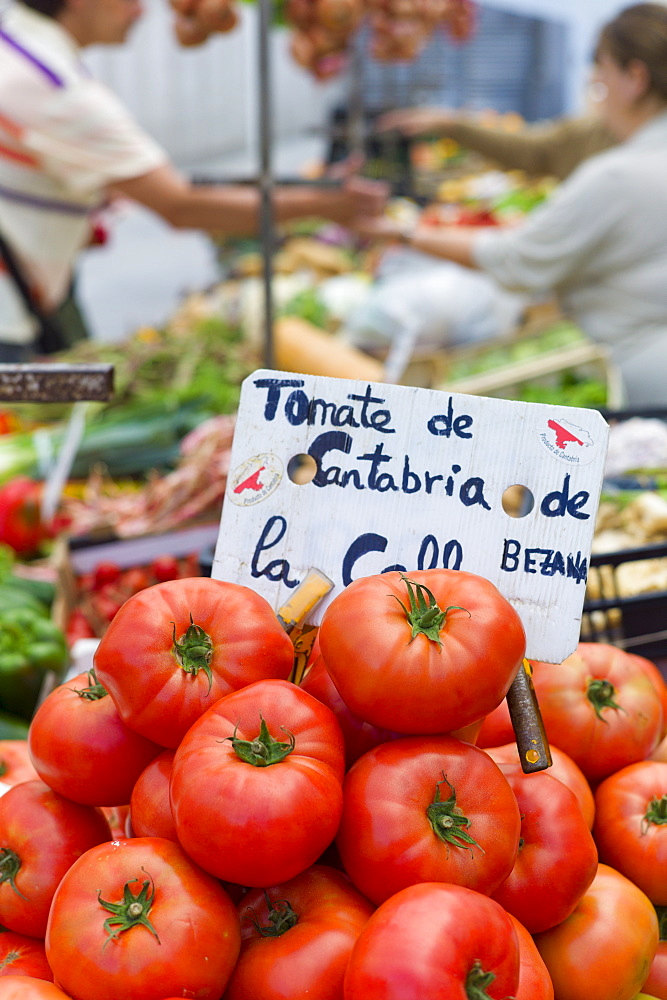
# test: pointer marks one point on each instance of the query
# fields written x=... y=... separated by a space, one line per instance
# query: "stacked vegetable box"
x=344 y=837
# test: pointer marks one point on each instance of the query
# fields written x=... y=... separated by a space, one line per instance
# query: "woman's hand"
x=416 y=121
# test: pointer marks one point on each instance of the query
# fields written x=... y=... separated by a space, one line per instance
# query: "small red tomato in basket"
x=134 y=579
x=165 y=568
x=105 y=573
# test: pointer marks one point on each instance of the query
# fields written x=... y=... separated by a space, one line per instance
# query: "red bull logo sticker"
x=255 y=479
x=568 y=442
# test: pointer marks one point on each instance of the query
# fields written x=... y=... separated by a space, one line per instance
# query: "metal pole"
x=356 y=123
x=267 y=232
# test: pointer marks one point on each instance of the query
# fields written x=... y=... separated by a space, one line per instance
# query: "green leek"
x=129 y=441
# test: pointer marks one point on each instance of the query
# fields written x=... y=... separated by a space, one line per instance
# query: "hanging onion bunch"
x=321 y=31
x=400 y=29
x=462 y=20
x=197 y=20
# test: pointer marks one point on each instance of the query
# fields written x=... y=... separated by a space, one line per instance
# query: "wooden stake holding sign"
x=409 y=478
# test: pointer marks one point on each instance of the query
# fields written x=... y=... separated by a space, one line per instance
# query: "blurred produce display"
x=191 y=491
x=626 y=590
x=167 y=383
x=576 y=385
x=630 y=519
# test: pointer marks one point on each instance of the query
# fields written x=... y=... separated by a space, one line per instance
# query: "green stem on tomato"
x=601 y=695
x=281 y=918
x=656 y=813
x=424 y=615
x=263 y=750
x=95 y=691
x=132 y=911
x=476 y=982
x=10 y=864
x=194 y=651
x=448 y=822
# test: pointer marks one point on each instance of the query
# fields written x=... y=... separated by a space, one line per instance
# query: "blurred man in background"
x=66 y=142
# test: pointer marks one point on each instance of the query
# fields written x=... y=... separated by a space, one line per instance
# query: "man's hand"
x=380 y=228
x=362 y=196
x=416 y=121
x=356 y=196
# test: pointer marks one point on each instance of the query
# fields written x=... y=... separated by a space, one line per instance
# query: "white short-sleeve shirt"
x=64 y=138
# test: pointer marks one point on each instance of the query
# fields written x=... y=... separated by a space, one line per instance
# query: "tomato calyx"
x=131 y=912
x=194 y=651
x=476 y=982
x=281 y=916
x=655 y=814
x=448 y=822
x=95 y=691
x=424 y=615
x=11 y=956
x=10 y=864
x=263 y=750
x=601 y=693
x=4 y=767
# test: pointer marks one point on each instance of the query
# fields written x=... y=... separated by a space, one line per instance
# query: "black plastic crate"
x=637 y=624
x=387 y=154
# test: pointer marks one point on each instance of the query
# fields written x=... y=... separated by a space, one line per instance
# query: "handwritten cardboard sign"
x=409 y=478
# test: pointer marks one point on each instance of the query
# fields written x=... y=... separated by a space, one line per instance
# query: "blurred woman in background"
x=600 y=242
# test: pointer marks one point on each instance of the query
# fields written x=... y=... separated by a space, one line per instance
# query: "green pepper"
x=14 y=597
x=30 y=646
x=13 y=728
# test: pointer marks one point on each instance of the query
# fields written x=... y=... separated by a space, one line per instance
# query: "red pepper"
x=21 y=525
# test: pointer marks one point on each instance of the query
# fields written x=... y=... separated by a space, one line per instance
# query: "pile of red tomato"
x=186 y=821
x=99 y=595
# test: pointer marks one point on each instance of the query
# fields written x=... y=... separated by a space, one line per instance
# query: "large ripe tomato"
x=41 y=835
x=496 y=729
x=658 y=681
x=15 y=763
x=557 y=857
x=562 y=767
x=534 y=979
x=427 y=809
x=21 y=955
x=256 y=784
x=117 y=817
x=631 y=825
x=600 y=707
x=657 y=977
x=150 y=808
x=81 y=747
x=297 y=937
x=137 y=919
x=359 y=736
x=29 y=988
x=604 y=950
x=427 y=654
x=435 y=940
x=175 y=648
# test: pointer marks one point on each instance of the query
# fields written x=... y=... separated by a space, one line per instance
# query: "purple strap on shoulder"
x=45 y=70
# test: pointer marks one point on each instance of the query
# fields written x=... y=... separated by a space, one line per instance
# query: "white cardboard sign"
x=410 y=478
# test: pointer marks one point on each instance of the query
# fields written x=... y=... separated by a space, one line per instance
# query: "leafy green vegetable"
x=308 y=305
